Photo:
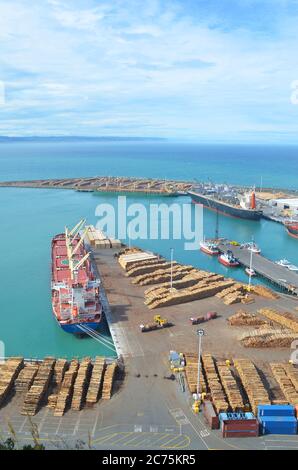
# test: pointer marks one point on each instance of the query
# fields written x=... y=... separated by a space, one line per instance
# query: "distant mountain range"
x=80 y=139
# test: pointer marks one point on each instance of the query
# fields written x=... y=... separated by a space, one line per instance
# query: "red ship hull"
x=228 y=263
x=209 y=252
x=292 y=230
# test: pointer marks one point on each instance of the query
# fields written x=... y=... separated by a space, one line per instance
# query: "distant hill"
x=80 y=139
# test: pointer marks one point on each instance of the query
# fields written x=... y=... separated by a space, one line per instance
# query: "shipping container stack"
x=277 y=419
x=210 y=415
x=238 y=425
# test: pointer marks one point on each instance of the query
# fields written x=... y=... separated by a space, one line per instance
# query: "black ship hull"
x=226 y=209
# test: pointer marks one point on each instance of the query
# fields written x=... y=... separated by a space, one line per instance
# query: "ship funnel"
x=253 y=204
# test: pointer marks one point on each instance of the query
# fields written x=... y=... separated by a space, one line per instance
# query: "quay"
x=108 y=184
x=147 y=410
x=279 y=276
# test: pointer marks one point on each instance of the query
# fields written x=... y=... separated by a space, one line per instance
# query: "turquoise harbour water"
x=30 y=217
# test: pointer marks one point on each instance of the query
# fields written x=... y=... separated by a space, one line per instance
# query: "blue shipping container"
x=235 y=416
x=278 y=425
x=276 y=410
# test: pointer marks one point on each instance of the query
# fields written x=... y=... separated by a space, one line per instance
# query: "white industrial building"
x=286 y=205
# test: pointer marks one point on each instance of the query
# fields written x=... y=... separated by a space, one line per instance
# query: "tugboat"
x=228 y=259
x=292 y=229
x=209 y=247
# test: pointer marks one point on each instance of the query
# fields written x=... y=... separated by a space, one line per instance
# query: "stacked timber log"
x=230 y=386
x=164 y=297
x=268 y=338
x=148 y=267
x=26 y=376
x=81 y=384
x=108 y=381
x=252 y=382
x=234 y=298
x=188 y=283
x=237 y=287
x=283 y=378
x=218 y=395
x=131 y=257
x=285 y=319
x=66 y=391
x=9 y=372
x=163 y=274
x=191 y=373
x=96 y=381
x=264 y=292
x=99 y=239
x=292 y=373
x=52 y=401
x=59 y=371
x=242 y=318
x=39 y=387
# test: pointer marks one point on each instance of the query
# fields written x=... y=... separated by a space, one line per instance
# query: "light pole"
x=200 y=334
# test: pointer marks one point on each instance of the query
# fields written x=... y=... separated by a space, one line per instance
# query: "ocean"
x=30 y=217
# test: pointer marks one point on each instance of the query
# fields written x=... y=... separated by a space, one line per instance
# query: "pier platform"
x=279 y=276
x=108 y=184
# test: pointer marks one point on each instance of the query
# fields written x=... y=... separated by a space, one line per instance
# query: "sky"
x=202 y=70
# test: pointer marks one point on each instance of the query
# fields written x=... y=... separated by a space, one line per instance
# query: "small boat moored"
x=228 y=259
x=209 y=247
x=250 y=272
x=283 y=262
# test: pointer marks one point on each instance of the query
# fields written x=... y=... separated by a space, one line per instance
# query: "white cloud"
x=159 y=66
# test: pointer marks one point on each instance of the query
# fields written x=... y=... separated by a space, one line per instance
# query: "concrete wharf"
x=279 y=276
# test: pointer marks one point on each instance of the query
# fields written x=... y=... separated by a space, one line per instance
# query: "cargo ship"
x=292 y=229
x=75 y=287
x=242 y=206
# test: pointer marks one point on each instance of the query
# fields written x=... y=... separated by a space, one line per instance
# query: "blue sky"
x=206 y=70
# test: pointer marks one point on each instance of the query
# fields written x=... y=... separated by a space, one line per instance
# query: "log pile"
x=242 y=318
x=188 y=283
x=163 y=297
x=59 y=371
x=237 y=287
x=230 y=386
x=218 y=395
x=96 y=381
x=267 y=338
x=52 y=401
x=81 y=384
x=264 y=292
x=285 y=319
x=292 y=373
x=191 y=373
x=163 y=275
x=232 y=295
x=65 y=393
x=234 y=298
x=148 y=268
x=26 y=376
x=108 y=380
x=282 y=375
x=194 y=277
x=133 y=256
x=252 y=382
x=9 y=372
x=39 y=387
